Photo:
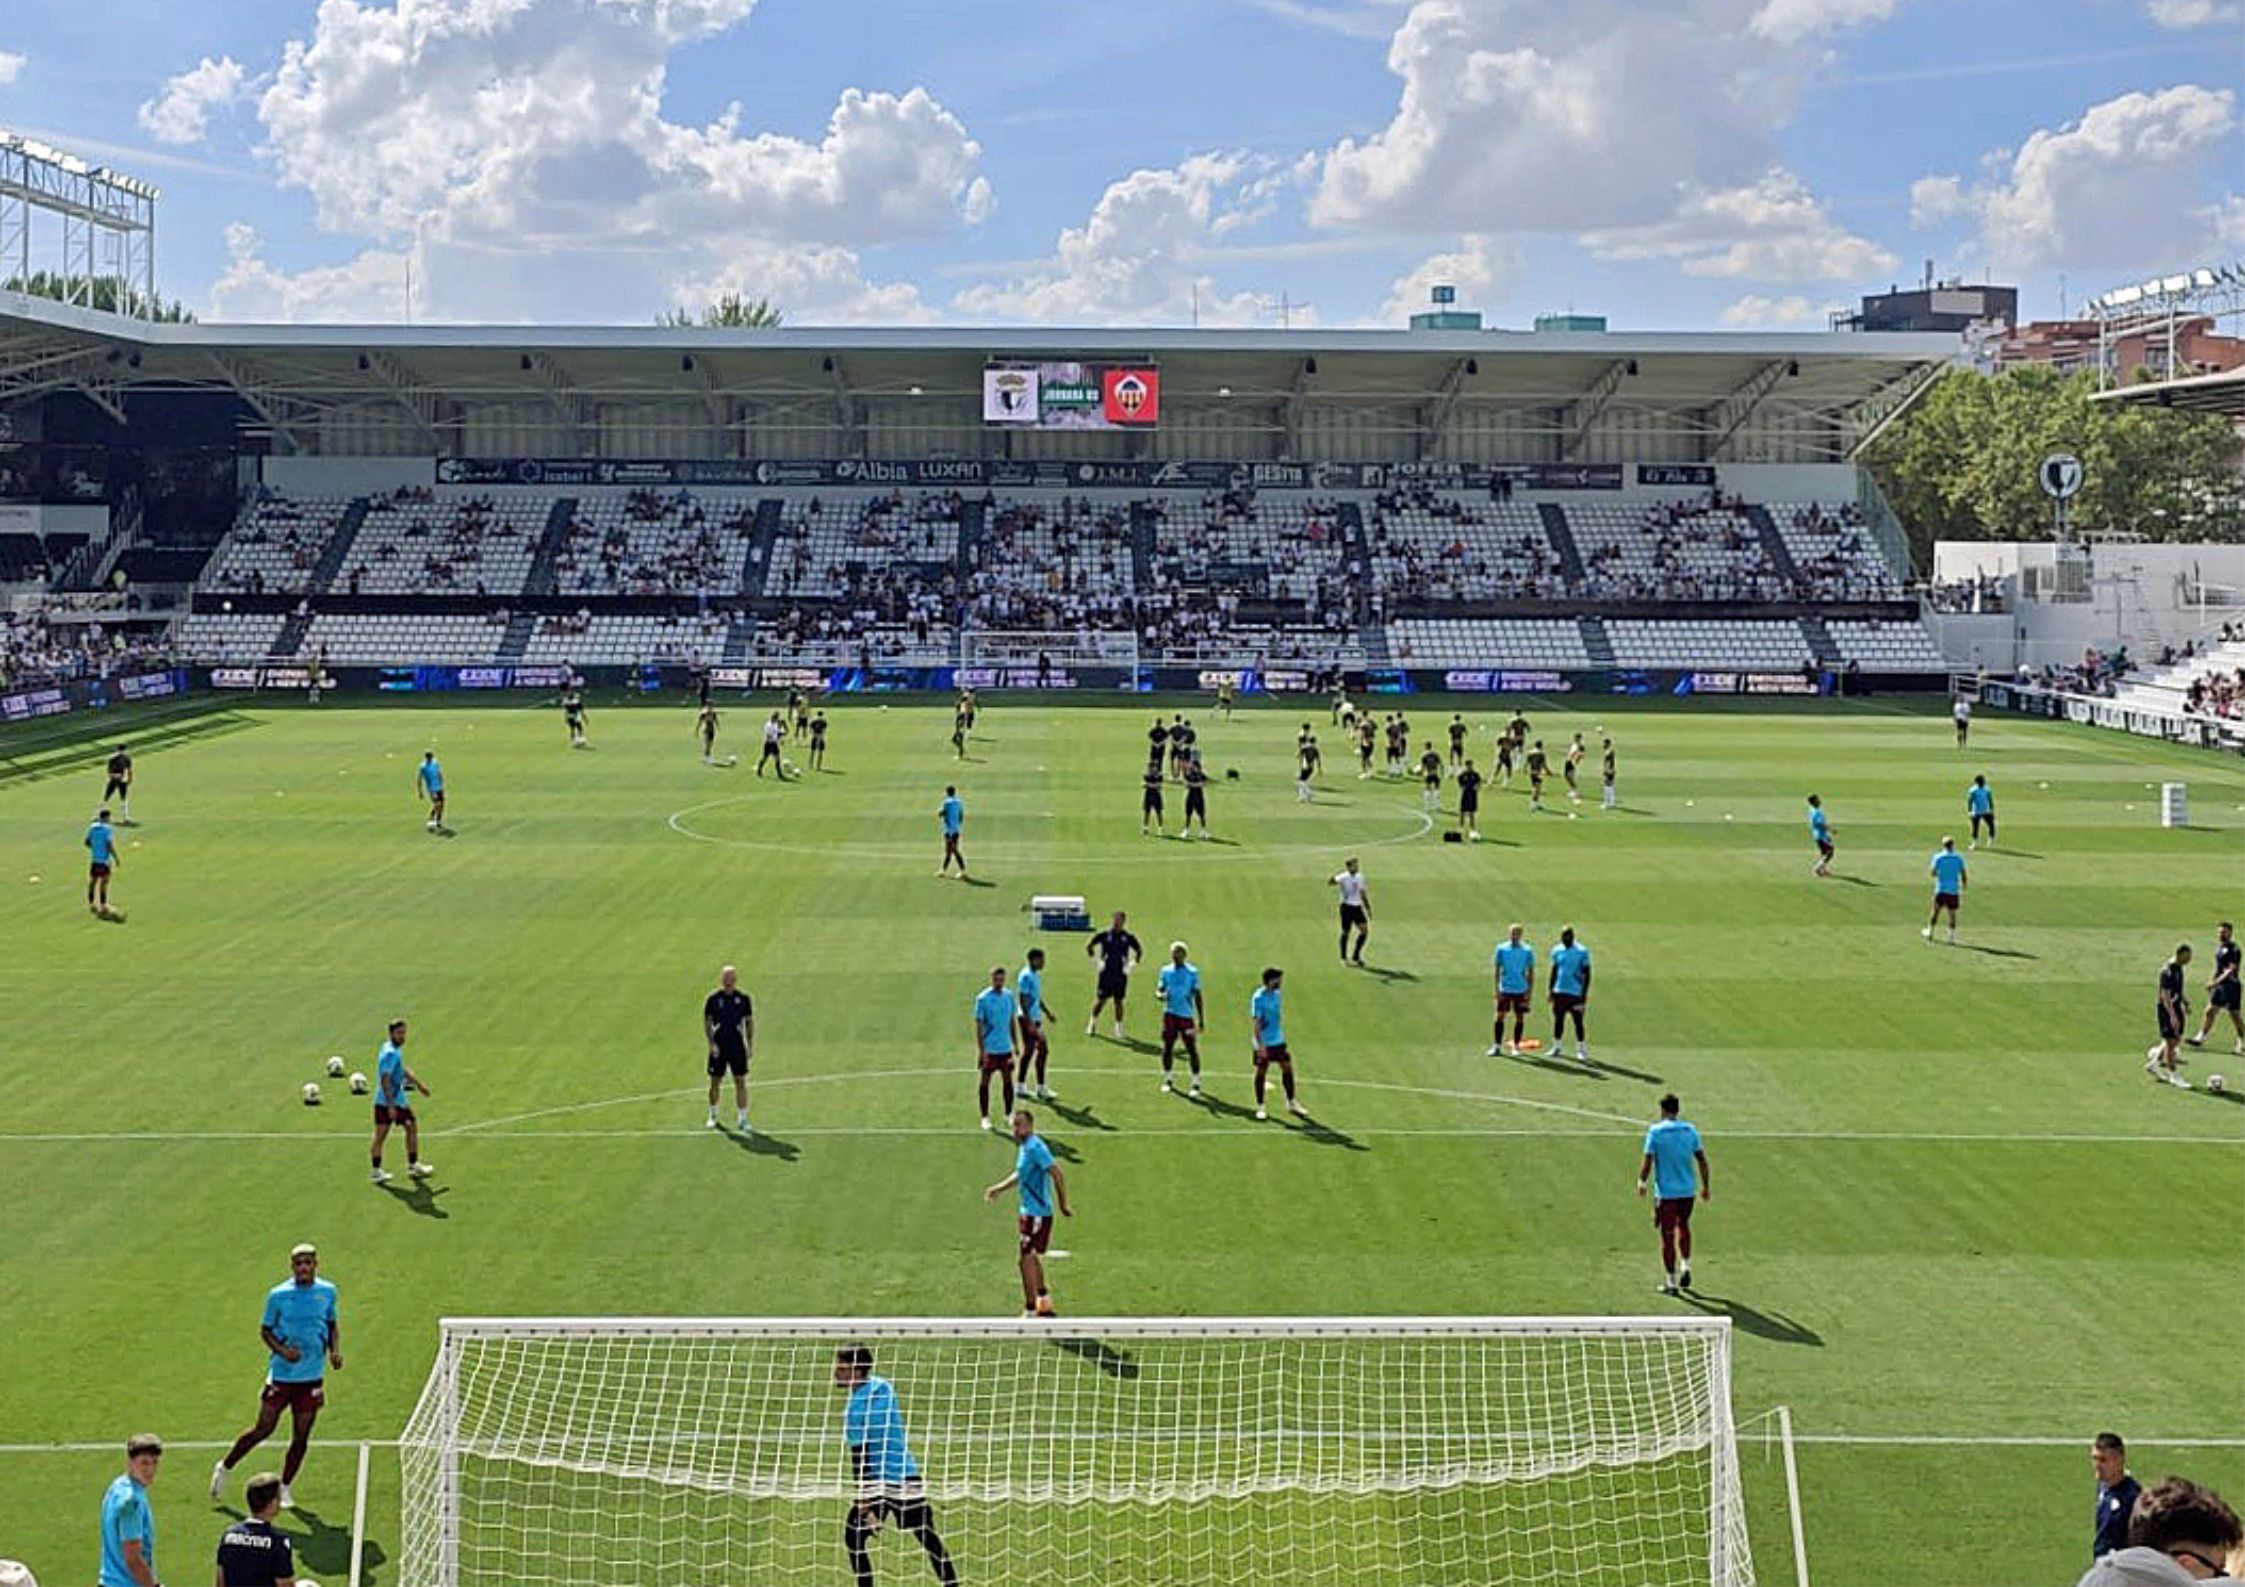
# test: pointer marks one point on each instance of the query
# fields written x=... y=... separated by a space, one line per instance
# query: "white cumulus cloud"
x=370 y=289
x=2182 y=14
x=2132 y=183
x=1754 y=312
x=1136 y=259
x=11 y=66
x=182 y=112
x=481 y=128
x=1773 y=229
x=1480 y=267
x=1575 y=115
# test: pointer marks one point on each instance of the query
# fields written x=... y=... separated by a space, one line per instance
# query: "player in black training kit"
x=1539 y=767
x=729 y=1025
x=573 y=714
x=2161 y=1059
x=1157 y=742
x=1469 y=801
x=706 y=725
x=818 y=741
x=1457 y=739
x=1365 y=734
x=2222 y=992
x=118 y=789
x=1116 y=950
x=1196 y=795
x=1149 y=802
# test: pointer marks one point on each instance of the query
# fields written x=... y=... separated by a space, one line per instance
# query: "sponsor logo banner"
x=1130 y=397
x=1009 y=396
x=1675 y=473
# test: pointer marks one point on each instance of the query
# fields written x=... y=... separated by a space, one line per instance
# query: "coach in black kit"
x=729 y=1021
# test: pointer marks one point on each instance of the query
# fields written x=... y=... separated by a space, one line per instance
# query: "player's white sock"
x=1582 y=1053
x=1091 y=1027
x=1118 y=1030
x=1927 y=933
x=986 y=1124
x=125 y=810
x=217 y=1480
x=1952 y=936
x=742 y=1121
x=713 y=1115
x=1684 y=1276
x=288 y=1499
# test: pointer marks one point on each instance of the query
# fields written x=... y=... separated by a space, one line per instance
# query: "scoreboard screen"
x=1071 y=396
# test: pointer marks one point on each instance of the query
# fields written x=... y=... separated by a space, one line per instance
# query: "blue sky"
x=1669 y=163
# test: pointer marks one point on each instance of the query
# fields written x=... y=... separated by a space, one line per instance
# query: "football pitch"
x=1956 y=1227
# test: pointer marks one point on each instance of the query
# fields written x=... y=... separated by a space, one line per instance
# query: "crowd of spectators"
x=1830 y=560
x=36 y=650
x=2096 y=673
x=440 y=548
x=659 y=544
x=1061 y=565
x=1468 y=558
x=1981 y=594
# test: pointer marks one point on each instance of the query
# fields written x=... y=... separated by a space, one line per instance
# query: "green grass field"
x=1952 y=1217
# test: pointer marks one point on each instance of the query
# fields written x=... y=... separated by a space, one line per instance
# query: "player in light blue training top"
x=881 y=1464
x=429 y=778
x=1029 y=991
x=954 y=816
x=1181 y=1015
x=1820 y=830
x=1980 y=805
x=1570 y=990
x=1265 y=1018
x=301 y=1332
x=1043 y=1187
x=994 y=1009
x=101 y=849
x=1948 y=887
x=394 y=1085
x=1516 y=983
x=1672 y=1154
x=128 y=1526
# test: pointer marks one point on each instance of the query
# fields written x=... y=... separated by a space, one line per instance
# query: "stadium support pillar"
x=1583 y=417
x=1729 y=416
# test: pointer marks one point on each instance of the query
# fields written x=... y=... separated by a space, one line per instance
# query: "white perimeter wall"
x=2140 y=596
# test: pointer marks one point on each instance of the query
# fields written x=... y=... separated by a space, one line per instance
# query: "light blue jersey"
x=1980 y=800
x=301 y=1315
x=1819 y=825
x=1178 y=983
x=101 y=843
x=1948 y=872
x=1570 y=970
x=389 y=1078
x=1516 y=966
x=1263 y=1008
x=993 y=1020
x=126 y=1518
x=431 y=777
x=872 y=1423
x=954 y=816
x=1672 y=1144
x=1029 y=991
x=1032 y=1167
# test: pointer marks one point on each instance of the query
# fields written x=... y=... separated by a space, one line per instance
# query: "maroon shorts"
x=1036 y=1235
x=997 y=1063
x=1512 y=1002
x=304 y=1399
x=1945 y=900
x=385 y=1114
x=1672 y=1212
x=1176 y=1025
x=1275 y=1055
x=97 y=872
x=1565 y=1002
x=1824 y=847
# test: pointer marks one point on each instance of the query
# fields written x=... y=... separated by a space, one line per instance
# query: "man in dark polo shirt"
x=729 y=1023
x=2116 y=1494
x=252 y=1552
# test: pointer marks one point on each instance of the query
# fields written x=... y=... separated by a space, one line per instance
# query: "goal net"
x=1448 y=1452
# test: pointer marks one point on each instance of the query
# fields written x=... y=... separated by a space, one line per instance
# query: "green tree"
x=1961 y=465
x=106 y=293
x=729 y=312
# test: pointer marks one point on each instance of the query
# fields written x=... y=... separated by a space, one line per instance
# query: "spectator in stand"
x=2178 y=1533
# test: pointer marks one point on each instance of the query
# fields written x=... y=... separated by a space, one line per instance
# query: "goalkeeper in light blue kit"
x=881 y=1464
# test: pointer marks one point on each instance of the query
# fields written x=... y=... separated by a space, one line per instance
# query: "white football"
x=358 y=1084
x=15 y=1573
x=335 y=1066
x=2216 y=1083
x=311 y=1095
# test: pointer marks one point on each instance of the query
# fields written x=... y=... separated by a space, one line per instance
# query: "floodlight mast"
x=106 y=221
x=2163 y=303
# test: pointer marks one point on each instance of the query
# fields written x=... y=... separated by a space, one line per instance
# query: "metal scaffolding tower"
x=105 y=222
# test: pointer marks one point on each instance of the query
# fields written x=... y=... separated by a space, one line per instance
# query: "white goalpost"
x=1387 y=1452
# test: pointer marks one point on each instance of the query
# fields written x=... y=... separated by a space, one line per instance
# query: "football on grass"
x=311 y=1095
x=358 y=1084
x=2216 y=1083
x=335 y=1067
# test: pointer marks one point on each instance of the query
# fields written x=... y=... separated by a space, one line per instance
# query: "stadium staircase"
x=973 y=521
x=542 y=579
x=1780 y=556
x=1595 y=642
x=1561 y=534
x=1821 y=644
x=1142 y=525
x=756 y=564
x=515 y=643
x=291 y=637
x=335 y=553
